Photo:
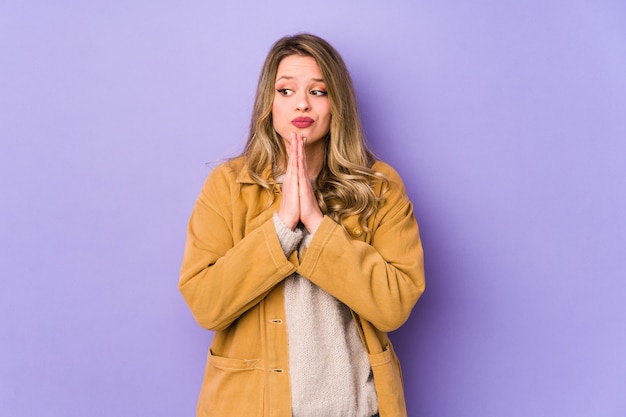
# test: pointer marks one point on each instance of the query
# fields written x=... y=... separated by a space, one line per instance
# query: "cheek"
x=275 y=116
x=328 y=117
x=277 y=112
x=327 y=109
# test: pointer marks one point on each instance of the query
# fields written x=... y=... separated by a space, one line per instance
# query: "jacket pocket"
x=388 y=381
x=232 y=387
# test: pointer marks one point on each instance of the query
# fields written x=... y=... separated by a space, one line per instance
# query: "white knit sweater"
x=328 y=365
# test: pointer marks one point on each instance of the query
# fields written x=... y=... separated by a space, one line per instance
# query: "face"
x=301 y=102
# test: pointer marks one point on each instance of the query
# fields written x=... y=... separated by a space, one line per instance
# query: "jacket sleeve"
x=382 y=280
x=225 y=273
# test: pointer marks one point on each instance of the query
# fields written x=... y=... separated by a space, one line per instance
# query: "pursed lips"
x=302 y=122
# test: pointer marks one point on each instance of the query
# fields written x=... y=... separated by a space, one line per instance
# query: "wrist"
x=312 y=224
x=290 y=224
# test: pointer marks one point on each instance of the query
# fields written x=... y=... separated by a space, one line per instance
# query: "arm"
x=226 y=271
x=380 y=281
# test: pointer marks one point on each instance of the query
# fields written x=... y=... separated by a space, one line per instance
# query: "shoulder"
x=386 y=169
x=391 y=180
x=231 y=170
x=224 y=177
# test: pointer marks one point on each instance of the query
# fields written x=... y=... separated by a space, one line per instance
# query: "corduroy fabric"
x=233 y=274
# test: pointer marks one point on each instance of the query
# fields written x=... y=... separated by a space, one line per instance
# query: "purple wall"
x=506 y=120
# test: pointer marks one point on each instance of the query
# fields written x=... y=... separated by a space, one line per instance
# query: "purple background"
x=506 y=119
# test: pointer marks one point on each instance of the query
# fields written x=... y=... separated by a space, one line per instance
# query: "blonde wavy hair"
x=344 y=186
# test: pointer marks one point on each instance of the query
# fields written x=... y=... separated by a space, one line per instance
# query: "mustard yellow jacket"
x=232 y=278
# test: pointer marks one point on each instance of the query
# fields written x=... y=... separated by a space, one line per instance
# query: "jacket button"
x=357 y=232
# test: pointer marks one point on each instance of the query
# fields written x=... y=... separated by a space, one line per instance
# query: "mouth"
x=302 y=122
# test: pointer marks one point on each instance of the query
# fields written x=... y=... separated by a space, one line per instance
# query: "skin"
x=301 y=92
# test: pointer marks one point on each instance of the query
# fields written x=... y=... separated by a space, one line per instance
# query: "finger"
x=293 y=141
x=292 y=155
x=289 y=210
x=310 y=213
x=303 y=171
x=302 y=159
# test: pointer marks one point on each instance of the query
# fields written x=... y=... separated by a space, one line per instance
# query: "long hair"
x=344 y=186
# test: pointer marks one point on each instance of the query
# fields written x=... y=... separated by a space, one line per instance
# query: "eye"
x=318 y=93
x=285 y=91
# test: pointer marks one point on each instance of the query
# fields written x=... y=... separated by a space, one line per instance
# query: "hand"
x=298 y=201
x=289 y=211
x=310 y=214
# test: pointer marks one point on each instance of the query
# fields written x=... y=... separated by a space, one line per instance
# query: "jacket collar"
x=244 y=175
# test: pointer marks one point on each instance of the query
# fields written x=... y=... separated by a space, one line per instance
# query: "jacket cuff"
x=309 y=237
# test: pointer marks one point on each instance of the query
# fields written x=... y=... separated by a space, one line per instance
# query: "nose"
x=302 y=103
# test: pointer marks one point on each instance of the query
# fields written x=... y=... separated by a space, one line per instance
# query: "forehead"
x=298 y=66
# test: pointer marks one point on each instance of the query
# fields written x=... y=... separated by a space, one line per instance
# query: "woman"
x=302 y=253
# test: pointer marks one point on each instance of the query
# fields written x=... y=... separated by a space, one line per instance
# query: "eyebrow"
x=287 y=77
